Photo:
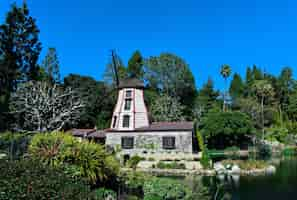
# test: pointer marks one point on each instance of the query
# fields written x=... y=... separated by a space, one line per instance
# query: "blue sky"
x=205 y=33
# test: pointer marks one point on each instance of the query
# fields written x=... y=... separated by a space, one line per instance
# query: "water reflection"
x=281 y=185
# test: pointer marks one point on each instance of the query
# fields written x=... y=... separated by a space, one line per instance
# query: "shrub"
x=170 y=165
x=277 y=134
x=290 y=151
x=102 y=193
x=151 y=159
x=14 y=144
x=200 y=140
x=80 y=159
x=53 y=148
x=232 y=152
x=133 y=161
x=133 y=180
x=222 y=129
x=264 y=151
x=205 y=159
x=165 y=189
x=27 y=179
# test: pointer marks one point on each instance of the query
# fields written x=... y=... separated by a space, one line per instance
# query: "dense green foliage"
x=15 y=145
x=135 y=66
x=133 y=161
x=81 y=159
x=225 y=129
x=102 y=193
x=171 y=75
x=26 y=179
x=19 y=51
x=166 y=109
x=170 y=165
x=99 y=98
x=165 y=189
x=51 y=67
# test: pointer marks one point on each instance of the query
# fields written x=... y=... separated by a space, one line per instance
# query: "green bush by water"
x=166 y=189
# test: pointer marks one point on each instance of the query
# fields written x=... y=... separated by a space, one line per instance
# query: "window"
x=126 y=121
x=128 y=104
x=168 y=142
x=114 y=123
x=128 y=94
x=127 y=142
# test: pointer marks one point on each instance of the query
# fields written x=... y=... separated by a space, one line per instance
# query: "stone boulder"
x=235 y=170
x=270 y=169
x=219 y=168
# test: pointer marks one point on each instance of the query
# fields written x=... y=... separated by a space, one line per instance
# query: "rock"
x=2 y=155
x=270 y=169
x=229 y=166
x=219 y=168
x=235 y=169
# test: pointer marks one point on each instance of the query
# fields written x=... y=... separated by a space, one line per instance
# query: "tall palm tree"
x=263 y=89
x=225 y=72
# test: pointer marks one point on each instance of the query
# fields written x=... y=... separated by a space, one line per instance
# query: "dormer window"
x=126 y=121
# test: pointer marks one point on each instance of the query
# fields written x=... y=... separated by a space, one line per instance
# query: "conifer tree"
x=236 y=87
x=19 y=52
x=135 y=66
x=51 y=66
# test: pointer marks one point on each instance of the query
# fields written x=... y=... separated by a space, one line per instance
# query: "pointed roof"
x=131 y=83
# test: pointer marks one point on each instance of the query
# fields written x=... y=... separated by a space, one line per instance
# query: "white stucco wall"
x=144 y=141
x=138 y=113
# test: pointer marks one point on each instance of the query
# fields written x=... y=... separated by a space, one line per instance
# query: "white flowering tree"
x=166 y=108
x=41 y=106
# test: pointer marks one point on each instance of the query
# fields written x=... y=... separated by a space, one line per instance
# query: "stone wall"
x=151 y=142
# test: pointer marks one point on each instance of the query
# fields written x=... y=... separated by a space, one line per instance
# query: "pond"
x=282 y=185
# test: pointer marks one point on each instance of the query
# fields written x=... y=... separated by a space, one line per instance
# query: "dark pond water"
x=280 y=186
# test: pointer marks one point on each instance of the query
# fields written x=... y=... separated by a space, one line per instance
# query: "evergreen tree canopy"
x=207 y=96
x=171 y=75
x=135 y=66
x=19 y=45
x=98 y=97
x=237 y=87
x=51 y=66
x=19 y=51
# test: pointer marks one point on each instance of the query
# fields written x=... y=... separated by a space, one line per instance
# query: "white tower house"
x=130 y=111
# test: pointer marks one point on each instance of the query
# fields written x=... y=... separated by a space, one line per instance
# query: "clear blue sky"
x=205 y=33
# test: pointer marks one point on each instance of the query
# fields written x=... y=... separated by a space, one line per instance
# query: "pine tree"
x=135 y=65
x=257 y=73
x=207 y=96
x=19 y=52
x=51 y=66
x=285 y=84
x=236 y=87
x=19 y=45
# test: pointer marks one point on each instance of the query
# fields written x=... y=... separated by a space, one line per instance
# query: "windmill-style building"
x=130 y=129
x=132 y=132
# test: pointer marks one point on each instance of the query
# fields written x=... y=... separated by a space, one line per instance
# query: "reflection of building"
x=131 y=131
